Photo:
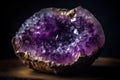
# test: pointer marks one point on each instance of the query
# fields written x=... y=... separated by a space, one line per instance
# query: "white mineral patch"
x=73 y=19
x=75 y=31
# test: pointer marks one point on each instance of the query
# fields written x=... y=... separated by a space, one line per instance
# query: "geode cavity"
x=53 y=38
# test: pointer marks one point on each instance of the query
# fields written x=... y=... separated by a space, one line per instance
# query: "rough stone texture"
x=60 y=36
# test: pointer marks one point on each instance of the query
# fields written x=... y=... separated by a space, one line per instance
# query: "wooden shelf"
x=102 y=68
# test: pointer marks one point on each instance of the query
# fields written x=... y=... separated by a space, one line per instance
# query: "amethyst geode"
x=53 y=38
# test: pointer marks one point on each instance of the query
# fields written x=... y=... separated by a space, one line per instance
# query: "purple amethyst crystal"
x=59 y=36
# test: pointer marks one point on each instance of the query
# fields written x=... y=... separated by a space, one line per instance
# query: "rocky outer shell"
x=87 y=39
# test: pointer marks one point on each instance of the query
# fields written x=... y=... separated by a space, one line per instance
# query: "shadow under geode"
x=89 y=72
x=93 y=71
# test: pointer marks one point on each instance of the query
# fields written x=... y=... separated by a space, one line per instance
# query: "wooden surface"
x=102 y=68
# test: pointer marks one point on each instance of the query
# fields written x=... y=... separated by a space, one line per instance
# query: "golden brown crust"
x=46 y=67
x=35 y=64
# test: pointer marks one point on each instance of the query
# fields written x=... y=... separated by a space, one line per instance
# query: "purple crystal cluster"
x=60 y=36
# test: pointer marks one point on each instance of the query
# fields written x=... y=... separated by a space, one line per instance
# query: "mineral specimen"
x=55 y=37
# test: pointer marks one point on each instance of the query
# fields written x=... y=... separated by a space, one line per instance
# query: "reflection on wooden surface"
x=100 y=69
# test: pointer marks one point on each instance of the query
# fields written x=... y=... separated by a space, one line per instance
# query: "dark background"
x=14 y=13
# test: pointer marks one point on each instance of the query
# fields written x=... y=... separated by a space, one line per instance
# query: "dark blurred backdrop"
x=14 y=13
